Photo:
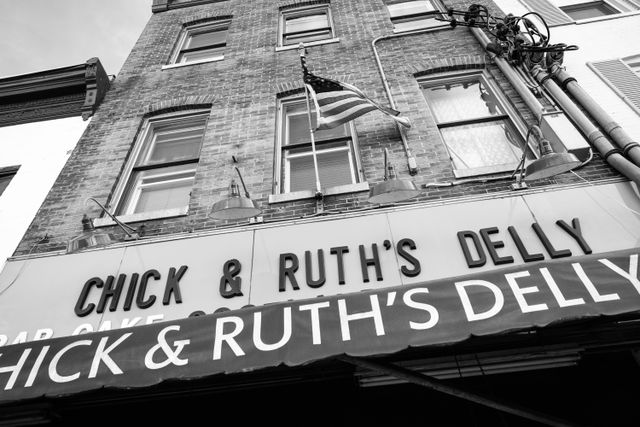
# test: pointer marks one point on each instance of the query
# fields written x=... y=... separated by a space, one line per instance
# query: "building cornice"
x=76 y=90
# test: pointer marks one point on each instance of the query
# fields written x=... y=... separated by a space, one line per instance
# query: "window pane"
x=176 y=146
x=482 y=144
x=461 y=101
x=164 y=196
x=159 y=189
x=588 y=10
x=298 y=127
x=206 y=38
x=4 y=182
x=216 y=52
x=410 y=8
x=307 y=37
x=334 y=168
x=309 y=22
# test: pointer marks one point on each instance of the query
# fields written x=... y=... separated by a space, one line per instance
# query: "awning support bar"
x=441 y=386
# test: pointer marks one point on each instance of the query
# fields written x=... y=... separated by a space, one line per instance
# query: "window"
x=475 y=126
x=202 y=43
x=622 y=75
x=335 y=151
x=633 y=62
x=412 y=15
x=559 y=12
x=305 y=24
x=588 y=10
x=6 y=175
x=162 y=173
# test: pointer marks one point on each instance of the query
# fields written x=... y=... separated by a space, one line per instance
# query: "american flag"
x=339 y=103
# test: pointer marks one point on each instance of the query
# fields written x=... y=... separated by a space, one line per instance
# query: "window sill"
x=606 y=17
x=142 y=216
x=421 y=27
x=315 y=43
x=200 y=61
x=308 y=194
x=466 y=173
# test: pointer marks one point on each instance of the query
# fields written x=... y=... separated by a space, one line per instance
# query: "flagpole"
x=301 y=50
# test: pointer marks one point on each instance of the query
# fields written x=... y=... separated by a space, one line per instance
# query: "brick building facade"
x=242 y=91
x=220 y=84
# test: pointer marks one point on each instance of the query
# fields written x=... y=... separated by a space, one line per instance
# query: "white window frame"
x=300 y=12
x=120 y=203
x=188 y=32
x=510 y=114
x=282 y=173
x=416 y=21
x=584 y=4
x=633 y=62
x=552 y=8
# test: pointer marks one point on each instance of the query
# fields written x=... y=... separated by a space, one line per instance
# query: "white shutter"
x=626 y=5
x=621 y=79
x=551 y=14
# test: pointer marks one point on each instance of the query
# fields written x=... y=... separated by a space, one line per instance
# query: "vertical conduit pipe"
x=413 y=165
x=529 y=98
x=629 y=147
x=611 y=155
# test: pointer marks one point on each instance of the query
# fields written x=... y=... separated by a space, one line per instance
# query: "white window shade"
x=551 y=14
x=621 y=78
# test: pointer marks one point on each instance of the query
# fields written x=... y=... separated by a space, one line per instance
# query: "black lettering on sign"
x=413 y=272
x=338 y=252
x=80 y=310
x=463 y=237
x=308 y=266
x=492 y=245
x=288 y=272
x=230 y=285
x=366 y=262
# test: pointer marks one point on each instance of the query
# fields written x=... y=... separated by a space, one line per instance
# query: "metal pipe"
x=596 y=138
x=442 y=387
x=411 y=160
x=529 y=98
x=629 y=147
x=612 y=155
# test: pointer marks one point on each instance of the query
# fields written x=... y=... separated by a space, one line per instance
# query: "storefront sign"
x=148 y=282
x=297 y=332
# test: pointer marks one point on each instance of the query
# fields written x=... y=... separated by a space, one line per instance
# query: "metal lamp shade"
x=235 y=207
x=550 y=165
x=90 y=239
x=393 y=190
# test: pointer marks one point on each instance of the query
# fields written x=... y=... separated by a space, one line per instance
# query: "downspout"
x=411 y=161
x=611 y=155
x=523 y=90
x=628 y=146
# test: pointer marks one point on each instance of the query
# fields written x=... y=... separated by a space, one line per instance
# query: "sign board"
x=152 y=281
x=365 y=323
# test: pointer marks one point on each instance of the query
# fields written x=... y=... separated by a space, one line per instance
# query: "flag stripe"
x=329 y=97
x=347 y=115
x=337 y=103
x=343 y=105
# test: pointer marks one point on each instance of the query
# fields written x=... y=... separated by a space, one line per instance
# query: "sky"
x=37 y=35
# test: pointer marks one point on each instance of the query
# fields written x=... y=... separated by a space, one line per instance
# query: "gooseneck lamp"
x=236 y=206
x=392 y=189
x=91 y=238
